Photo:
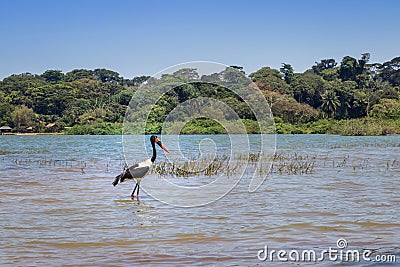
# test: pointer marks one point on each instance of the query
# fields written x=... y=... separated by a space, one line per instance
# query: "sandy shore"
x=37 y=133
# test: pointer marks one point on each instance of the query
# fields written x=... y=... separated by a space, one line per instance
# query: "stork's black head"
x=154 y=139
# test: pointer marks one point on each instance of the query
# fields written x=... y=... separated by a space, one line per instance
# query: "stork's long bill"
x=158 y=142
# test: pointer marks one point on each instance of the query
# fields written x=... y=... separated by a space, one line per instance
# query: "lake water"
x=58 y=207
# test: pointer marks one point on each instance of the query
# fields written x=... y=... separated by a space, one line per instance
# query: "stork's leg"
x=134 y=189
x=137 y=196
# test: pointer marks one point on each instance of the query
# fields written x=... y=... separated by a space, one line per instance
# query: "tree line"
x=95 y=101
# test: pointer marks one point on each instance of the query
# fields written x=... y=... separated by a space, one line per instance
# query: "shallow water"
x=58 y=207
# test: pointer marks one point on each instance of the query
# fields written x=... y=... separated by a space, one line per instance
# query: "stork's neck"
x=153 y=158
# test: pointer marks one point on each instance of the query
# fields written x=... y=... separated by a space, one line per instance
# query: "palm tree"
x=330 y=102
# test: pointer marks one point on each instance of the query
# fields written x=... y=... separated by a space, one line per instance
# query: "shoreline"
x=32 y=134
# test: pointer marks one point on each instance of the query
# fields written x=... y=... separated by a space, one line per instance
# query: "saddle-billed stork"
x=139 y=170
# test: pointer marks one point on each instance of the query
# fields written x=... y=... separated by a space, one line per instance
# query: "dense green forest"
x=353 y=97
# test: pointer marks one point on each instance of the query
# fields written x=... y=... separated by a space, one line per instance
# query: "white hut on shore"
x=5 y=130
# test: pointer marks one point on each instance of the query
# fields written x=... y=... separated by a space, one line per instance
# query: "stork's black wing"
x=124 y=175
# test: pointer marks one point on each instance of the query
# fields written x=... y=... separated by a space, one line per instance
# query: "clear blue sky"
x=143 y=37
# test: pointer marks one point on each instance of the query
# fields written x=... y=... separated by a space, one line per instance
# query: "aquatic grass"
x=205 y=166
x=5 y=152
x=280 y=163
x=24 y=152
x=376 y=145
x=293 y=163
x=78 y=165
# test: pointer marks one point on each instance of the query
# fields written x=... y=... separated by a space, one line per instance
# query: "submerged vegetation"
x=354 y=97
x=281 y=163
